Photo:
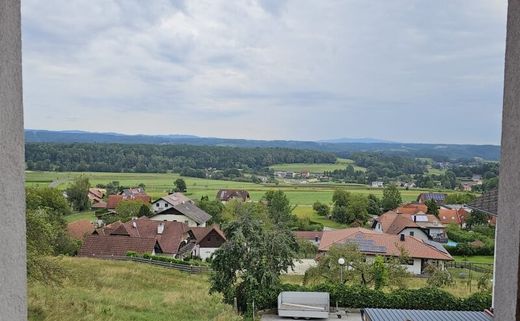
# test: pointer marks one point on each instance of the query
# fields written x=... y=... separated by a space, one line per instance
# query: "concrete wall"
x=508 y=223
x=12 y=199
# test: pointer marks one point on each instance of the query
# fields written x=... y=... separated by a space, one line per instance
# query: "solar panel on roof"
x=366 y=245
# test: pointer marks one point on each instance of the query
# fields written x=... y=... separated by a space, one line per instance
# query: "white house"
x=420 y=252
x=378 y=184
x=419 y=225
x=169 y=201
x=186 y=213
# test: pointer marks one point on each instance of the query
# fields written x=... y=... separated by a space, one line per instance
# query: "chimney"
x=401 y=238
x=415 y=218
x=160 y=228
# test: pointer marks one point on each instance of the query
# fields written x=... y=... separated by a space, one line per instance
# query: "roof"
x=308 y=235
x=102 y=245
x=487 y=203
x=169 y=240
x=393 y=222
x=425 y=315
x=412 y=208
x=201 y=232
x=447 y=216
x=227 y=194
x=438 y=197
x=175 y=199
x=132 y=191
x=96 y=192
x=372 y=242
x=114 y=200
x=189 y=210
x=79 y=229
x=100 y=204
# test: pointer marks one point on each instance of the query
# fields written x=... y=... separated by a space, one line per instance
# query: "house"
x=421 y=253
x=187 y=213
x=439 y=198
x=78 y=230
x=204 y=242
x=477 y=178
x=423 y=315
x=131 y=192
x=378 y=184
x=312 y=236
x=114 y=200
x=456 y=215
x=225 y=195
x=417 y=224
x=170 y=236
x=169 y=200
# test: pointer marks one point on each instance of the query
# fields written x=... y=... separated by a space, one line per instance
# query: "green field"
x=116 y=290
x=89 y=215
x=474 y=259
x=341 y=163
x=158 y=184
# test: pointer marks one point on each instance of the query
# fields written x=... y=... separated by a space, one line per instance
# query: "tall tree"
x=432 y=206
x=391 y=198
x=279 y=207
x=340 y=197
x=374 y=205
x=214 y=208
x=180 y=185
x=249 y=264
x=358 y=209
x=77 y=193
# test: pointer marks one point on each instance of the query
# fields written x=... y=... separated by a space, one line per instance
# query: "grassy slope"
x=475 y=259
x=89 y=215
x=109 y=290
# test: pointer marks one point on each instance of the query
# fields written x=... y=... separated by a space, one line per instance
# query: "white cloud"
x=267 y=69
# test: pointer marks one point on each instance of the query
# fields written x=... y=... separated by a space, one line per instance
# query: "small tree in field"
x=180 y=185
x=77 y=193
x=391 y=198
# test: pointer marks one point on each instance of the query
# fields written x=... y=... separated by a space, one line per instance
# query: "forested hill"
x=343 y=149
x=160 y=158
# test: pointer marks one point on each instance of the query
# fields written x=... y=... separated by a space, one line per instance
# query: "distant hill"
x=365 y=140
x=341 y=147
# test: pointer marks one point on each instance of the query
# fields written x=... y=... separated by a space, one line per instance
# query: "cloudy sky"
x=402 y=70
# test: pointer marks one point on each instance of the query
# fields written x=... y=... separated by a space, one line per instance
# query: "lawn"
x=307 y=211
x=89 y=215
x=114 y=290
x=475 y=259
x=341 y=163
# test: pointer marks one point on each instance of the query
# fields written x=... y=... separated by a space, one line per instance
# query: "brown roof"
x=393 y=222
x=176 y=199
x=375 y=243
x=114 y=200
x=412 y=208
x=448 y=216
x=79 y=229
x=100 y=204
x=227 y=194
x=96 y=193
x=201 y=232
x=308 y=235
x=488 y=202
x=170 y=239
x=101 y=245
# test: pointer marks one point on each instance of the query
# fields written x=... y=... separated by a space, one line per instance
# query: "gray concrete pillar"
x=13 y=280
x=506 y=292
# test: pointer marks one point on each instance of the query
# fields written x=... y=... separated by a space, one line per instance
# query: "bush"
x=420 y=299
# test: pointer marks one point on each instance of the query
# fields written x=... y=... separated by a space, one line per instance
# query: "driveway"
x=354 y=316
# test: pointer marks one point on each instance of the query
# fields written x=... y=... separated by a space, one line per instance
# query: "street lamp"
x=341 y=262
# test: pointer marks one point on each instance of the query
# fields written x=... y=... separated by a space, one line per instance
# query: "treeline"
x=160 y=158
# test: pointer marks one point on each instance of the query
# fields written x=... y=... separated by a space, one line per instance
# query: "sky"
x=400 y=70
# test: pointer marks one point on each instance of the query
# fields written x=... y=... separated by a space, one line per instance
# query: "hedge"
x=418 y=299
x=465 y=249
x=168 y=259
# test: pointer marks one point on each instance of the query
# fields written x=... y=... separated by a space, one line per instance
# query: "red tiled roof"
x=79 y=229
x=412 y=208
x=392 y=245
x=448 y=216
x=308 y=235
x=114 y=200
x=101 y=245
x=393 y=222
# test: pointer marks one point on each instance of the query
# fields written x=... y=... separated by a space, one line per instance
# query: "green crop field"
x=103 y=290
x=158 y=184
x=341 y=163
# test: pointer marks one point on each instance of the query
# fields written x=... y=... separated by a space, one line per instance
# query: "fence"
x=192 y=269
x=477 y=267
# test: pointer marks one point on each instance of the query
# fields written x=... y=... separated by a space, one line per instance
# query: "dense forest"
x=160 y=158
x=438 y=152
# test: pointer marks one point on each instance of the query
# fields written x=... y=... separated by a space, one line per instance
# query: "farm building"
x=225 y=195
x=187 y=213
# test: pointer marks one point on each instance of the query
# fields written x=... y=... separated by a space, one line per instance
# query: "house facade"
x=412 y=222
x=168 y=201
x=420 y=253
x=187 y=213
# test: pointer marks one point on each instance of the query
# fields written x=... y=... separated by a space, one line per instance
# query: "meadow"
x=341 y=163
x=115 y=290
x=158 y=184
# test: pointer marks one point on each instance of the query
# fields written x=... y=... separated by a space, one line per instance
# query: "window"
x=165 y=204
x=412 y=233
x=157 y=204
x=186 y=222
